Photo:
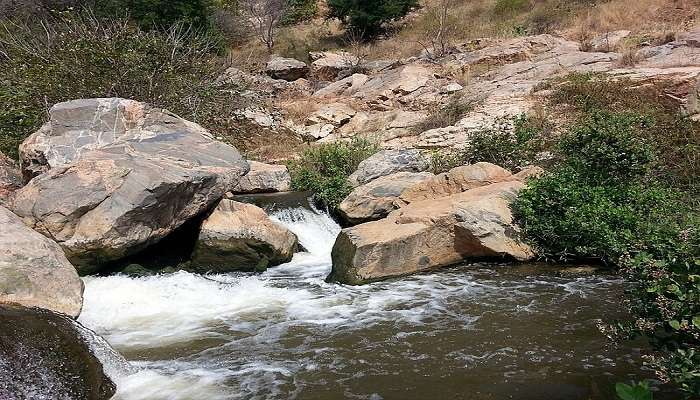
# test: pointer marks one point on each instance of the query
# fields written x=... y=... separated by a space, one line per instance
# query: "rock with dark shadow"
x=44 y=355
x=241 y=237
x=113 y=176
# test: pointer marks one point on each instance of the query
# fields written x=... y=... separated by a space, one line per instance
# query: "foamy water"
x=288 y=334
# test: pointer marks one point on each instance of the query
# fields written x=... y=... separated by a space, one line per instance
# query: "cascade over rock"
x=112 y=176
x=44 y=355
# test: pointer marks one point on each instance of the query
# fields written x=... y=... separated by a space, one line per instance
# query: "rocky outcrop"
x=387 y=162
x=376 y=199
x=287 y=69
x=10 y=177
x=431 y=233
x=327 y=65
x=44 y=355
x=457 y=180
x=609 y=41
x=241 y=237
x=118 y=175
x=264 y=178
x=34 y=272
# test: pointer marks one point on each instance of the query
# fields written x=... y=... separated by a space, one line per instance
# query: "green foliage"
x=638 y=391
x=510 y=143
x=299 y=11
x=79 y=56
x=325 y=168
x=623 y=191
x=367 y=16
x=157 y=13
x=676 y=138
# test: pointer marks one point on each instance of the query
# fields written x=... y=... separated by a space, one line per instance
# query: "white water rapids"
x=286 y=333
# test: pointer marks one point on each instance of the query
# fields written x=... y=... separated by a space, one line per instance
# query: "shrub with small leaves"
x=324 y=169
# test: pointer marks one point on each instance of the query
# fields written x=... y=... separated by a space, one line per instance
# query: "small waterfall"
x=114 y=365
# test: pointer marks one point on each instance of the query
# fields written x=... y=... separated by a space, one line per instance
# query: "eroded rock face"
x=264 y=178
x=388 y=162
x=327 y=65
x=44 y=356
x=457 y=180
x=241 y=237
x=34 y=272
x=376 y=199
x=430 y=234
x=118 y=175
x=10 y=177
x=288 y=69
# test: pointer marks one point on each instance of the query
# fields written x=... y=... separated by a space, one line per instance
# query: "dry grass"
x=655 y=19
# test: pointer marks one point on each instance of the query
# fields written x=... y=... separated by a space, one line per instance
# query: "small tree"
x=439 y=34
x=368 y=15
x=264 y=17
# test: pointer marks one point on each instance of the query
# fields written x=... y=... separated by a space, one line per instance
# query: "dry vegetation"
x=651 y=21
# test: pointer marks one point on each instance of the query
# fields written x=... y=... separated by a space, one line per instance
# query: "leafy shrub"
x=604 y=201
x=324 y=169
x=511 y=143
x=367 y=16
x=300 y=10
x=676 y=138
x=157 y=13
x=80 y=56
x=638 y=391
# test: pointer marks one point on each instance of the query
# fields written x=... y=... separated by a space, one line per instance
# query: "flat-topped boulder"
x=114 y=176
x=288 y=69
x=45 y=355
x=10 y=177
x=387 y=162
x=429 y=234
x=241 y=237
x=264 y=178
x=456 y=180
x=34 y=272
x=376 y=199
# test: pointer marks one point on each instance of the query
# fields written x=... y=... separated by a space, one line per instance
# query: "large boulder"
x=10 y=177
x=376 y=199
x=327 y=65
x=241 y=237
x=431 y=233
x=456 y=180
x=34 y=272
x=116 y=175
x=264 y=178
x=45 y=355
x=387 y=162
x=288 y=69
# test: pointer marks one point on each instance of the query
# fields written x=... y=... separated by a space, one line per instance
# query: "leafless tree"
x=264 y=16
x=439 y=35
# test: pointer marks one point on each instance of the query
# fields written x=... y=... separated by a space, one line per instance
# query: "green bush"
x=604 y=201
x=324 y=169
x=510 y=143
x=79 y=56
x=367 y=16
x=157 y=13
x=299 y=11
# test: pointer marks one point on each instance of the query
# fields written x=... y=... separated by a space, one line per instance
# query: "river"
x=475 y=331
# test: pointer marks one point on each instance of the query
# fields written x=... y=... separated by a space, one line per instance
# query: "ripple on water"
x=287 y=333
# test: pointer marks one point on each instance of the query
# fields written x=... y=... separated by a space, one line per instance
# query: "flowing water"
x=469 y=332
